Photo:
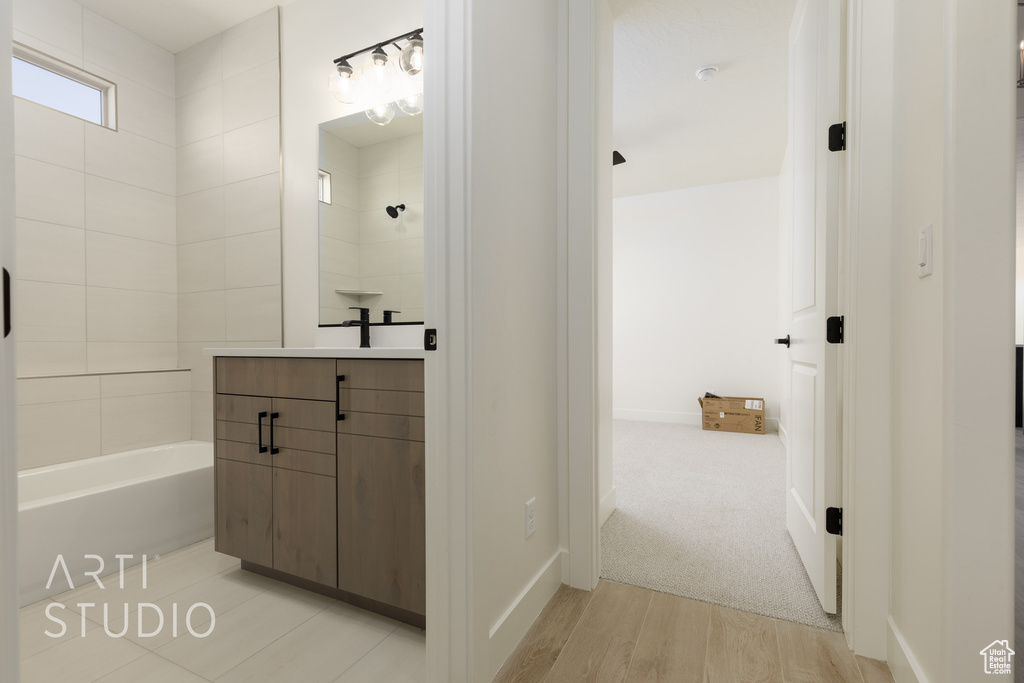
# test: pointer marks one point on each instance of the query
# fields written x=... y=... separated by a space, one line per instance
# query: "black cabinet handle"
x=7 y=303
x=337 y=396
x=273 y=416
x=259 y=429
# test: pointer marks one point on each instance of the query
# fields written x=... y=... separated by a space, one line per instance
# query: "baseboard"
x=902 y=662
x=771 y=423
x=510 y=628
x=783 y=434
x=606 y=508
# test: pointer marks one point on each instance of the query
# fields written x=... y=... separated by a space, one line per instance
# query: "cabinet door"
x=305 y=531
x=381 y=529
x=244 y=510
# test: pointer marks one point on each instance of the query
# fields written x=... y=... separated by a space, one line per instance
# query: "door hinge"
x=837 y=137
x=430 y=340
x=834 y=521
x=834 y=330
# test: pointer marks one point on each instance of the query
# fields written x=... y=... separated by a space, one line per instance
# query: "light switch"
x=924 y=252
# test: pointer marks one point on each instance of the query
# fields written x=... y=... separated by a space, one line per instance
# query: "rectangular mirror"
x=371 y=219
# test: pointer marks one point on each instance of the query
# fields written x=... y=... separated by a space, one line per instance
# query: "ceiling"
x=676 y=131
x=177 y=24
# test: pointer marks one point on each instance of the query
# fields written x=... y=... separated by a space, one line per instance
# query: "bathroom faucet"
x=387 y=317
x=364 y=325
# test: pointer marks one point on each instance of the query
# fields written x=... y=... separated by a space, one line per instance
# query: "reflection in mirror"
x=371 y=218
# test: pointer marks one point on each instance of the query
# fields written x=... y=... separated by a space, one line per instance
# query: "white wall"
x=1019 y=316
x=97 y=271
x=228 y=205
x=696 y=280
x=313 y=33
x=605 y=273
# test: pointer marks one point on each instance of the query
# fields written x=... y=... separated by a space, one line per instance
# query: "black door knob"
x=784 y=340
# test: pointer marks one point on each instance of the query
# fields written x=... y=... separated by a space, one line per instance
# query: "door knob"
x=784 y=340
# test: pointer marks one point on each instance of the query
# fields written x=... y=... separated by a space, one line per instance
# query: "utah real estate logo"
x=998 y=657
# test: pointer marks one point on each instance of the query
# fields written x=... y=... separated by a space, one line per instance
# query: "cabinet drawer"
x=284 y=437
x=388 y=375
x=311 y=378
x=302 y=414
x=389 y=402
x=242 y=408
x=388 y=426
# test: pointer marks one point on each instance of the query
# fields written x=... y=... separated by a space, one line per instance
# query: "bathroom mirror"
x=371 y=219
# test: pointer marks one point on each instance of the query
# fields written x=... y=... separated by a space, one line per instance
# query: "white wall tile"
x=252 y=205
x=383 y=157
x=251 y=43
x=144 y=111
x=201 y=316
x=199 y=66
x=200 y=114
x=340 y=222
x=201 y=165
x=123 y=52
x=50 y=433
x=411 y=152
x=410 y=185
x=345 y=190
x=119 y=315
x=140 y=421
x=127 y=356
x=50 y=312
x=74 y=59
x=377 y=226
x=339 y=257
x=411 y=256
x=202 y=415
x=253 y=313
x=129 y=158
x=48 y=135
x=119 y=209
x=141 y=383
x=252 y=260
x=379 y=191
x=411 y=288
x=57 y=389
x=252 y=96
x=129 y=263
x=340 y=155
x=49 y=193
x=201 y=216
x=252 y=151
x=57 y=22
x=201 y=266
x=376 y=260
x=49 y=253
x=51 y=358
x=190 y=355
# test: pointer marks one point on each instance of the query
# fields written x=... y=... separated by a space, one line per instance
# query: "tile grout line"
x=365 y=654
x=579 y=619
x=636 y=643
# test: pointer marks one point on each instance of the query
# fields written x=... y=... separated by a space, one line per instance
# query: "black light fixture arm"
x=392 y=41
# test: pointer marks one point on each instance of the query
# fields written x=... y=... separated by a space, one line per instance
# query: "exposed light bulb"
x=412 y=104
x=412 y=56
x=343 y=83
x=381 y=114
x=377 y=75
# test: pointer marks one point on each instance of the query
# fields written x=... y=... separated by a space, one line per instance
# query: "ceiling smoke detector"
x=706 y=73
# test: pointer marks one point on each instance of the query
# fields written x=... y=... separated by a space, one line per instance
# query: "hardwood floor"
x=624 y=634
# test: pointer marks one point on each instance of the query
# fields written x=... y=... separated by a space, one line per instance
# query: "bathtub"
x=148 y=501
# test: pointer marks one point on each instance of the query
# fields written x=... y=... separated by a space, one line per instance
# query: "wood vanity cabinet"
x=319 y=475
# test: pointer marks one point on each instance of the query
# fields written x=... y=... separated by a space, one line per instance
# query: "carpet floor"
x=702 y=515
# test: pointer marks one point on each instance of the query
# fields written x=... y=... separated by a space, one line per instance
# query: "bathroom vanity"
x=319 y=471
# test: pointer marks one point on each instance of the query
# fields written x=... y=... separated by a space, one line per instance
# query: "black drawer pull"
x=337 y=396
x=259 y=430
x=273 y=416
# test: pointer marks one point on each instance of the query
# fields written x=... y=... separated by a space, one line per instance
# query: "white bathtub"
x=148 y=501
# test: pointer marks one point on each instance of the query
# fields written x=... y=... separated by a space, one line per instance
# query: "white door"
x=813 y=454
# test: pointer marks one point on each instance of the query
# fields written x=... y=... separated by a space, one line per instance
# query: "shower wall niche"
x=367 y=257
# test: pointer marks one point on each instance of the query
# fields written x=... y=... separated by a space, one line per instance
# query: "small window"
x=325 y=187
x=54 y=84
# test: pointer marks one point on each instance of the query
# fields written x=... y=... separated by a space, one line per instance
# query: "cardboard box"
x=733 y=414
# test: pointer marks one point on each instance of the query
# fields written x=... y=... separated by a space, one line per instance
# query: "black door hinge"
x=837 y=137
x=834 y=521
x=834 y=330
x=430 y=340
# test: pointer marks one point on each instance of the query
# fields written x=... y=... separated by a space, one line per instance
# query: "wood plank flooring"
x=624 y=634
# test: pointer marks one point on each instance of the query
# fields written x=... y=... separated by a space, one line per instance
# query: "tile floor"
x=265 y=631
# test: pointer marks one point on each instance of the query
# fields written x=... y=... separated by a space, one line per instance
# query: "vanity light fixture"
x=1020 y=75
x=377 y=78
x=382 y=114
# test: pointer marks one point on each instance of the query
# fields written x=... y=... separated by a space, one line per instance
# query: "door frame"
x=865 y=473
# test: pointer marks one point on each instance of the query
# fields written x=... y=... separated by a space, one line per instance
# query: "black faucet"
x=364 y=325
x=387 y=317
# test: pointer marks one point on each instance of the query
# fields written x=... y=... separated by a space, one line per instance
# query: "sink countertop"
x=321 y=352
